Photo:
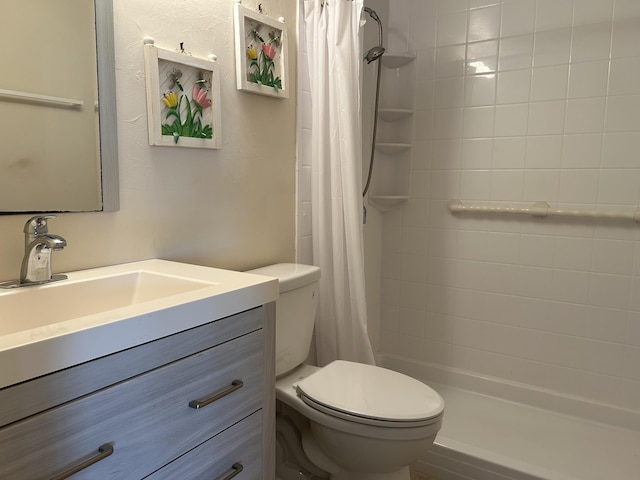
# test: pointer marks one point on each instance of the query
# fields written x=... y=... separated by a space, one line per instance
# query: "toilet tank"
x=295 y=311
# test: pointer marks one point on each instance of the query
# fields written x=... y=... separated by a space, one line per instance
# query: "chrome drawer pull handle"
x=103 y=452
x=237 y=468
x=203 y=402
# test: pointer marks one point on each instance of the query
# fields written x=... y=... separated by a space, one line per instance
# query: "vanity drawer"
x=147 y=419
x=239 y=448
x=28 y=398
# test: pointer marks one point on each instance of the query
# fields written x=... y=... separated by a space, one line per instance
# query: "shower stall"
x=508 y=103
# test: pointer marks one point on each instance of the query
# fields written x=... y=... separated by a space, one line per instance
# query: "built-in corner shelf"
x=384 y=203
x=392 y=148
x=390 y=187
x=394 y=114
x=397 y=60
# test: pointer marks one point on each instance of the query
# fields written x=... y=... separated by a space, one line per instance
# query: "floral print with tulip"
x=183 y=117
x=261 y=55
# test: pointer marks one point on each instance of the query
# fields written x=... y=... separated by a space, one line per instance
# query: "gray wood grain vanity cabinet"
x=195 y=405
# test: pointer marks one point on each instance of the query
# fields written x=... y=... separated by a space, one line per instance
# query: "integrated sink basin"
x=31 y=307
x=100 y=311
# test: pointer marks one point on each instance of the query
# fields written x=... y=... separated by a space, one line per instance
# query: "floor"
x=421 y=476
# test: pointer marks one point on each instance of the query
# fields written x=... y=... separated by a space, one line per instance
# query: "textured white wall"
x=520 y=101
x=231 y=208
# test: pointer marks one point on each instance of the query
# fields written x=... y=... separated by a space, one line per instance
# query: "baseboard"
x=447 y=464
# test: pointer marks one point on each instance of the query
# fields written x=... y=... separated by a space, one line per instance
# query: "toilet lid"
x=371 y=395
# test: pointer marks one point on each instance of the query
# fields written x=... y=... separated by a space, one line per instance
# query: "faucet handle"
x=37 y=225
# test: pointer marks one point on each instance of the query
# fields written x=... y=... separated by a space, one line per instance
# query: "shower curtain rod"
x=322 y=4
x=541 y=209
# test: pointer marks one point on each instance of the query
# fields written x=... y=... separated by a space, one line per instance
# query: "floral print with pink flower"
x=262 y=64
x=192 y=110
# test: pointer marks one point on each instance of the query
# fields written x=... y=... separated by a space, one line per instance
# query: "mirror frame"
x=105 y=53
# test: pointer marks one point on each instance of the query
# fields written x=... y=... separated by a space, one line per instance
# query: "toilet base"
x=299 y=457
x=292 y=462
x=318 y=457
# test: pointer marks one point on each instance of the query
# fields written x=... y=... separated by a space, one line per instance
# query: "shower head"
x=373 y=54
x=372 y=13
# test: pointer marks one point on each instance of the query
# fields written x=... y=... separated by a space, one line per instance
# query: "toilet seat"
x=370 y=395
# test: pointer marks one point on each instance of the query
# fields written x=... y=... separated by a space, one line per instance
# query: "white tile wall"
x=532 y=100
x=521 y=100
x=304 y=247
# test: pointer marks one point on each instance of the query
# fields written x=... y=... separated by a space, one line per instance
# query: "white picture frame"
x=265 y=70
x=183 y=99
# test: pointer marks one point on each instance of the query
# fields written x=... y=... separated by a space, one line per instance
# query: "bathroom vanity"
x=192 y=404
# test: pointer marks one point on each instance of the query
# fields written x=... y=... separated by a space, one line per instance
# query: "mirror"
x=57 y=107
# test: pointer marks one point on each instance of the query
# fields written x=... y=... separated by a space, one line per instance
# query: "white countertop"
x=33 y=351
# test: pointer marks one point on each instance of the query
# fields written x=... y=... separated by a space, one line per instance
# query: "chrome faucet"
x=38 y=245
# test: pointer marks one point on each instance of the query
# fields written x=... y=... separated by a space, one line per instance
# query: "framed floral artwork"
x=183 y=98
x=261 y=53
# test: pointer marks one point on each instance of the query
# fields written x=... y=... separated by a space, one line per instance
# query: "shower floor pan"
x=508 y=437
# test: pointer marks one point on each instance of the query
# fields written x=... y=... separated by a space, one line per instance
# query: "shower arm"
x=374 y=15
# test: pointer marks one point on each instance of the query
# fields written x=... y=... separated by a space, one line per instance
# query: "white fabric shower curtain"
x=333 y=49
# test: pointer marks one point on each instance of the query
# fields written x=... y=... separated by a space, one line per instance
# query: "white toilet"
x=364 y=422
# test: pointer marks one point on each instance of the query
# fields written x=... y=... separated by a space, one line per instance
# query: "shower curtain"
x=333 y=49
